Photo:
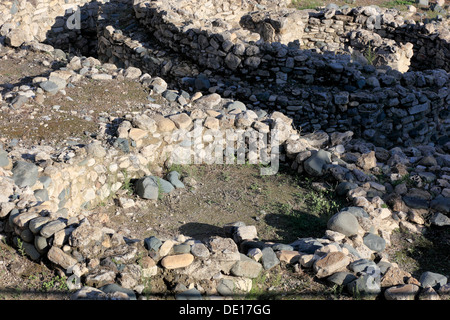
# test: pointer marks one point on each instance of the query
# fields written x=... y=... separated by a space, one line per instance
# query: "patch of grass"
x=57 y=282
x=264 y=286
x=370 y=55
x=306 y=4
x=176 y=167
x=398 y=4
x=20 y=247
x=430 y=14
x=319 y=203
x=127 y=185
x=405 y=179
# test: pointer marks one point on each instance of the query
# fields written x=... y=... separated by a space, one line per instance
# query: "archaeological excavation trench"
x=354 y=98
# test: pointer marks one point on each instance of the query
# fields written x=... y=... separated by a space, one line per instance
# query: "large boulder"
x=151 y=187
x=315 y=164
x=344 y=222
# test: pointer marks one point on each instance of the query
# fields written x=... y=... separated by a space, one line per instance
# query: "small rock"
x=151 y=187
x=89 y=293
x=269 y=258
x=165 y=248
x=182 y=120
x=226 y=287
x=429 y=293
x=288 y=256
x=59 y=257
x=441 y=204
x=401 y=292
x=149 y=267
x=208 y=102
x=374 y=242
x=431 y=279
x=37 y=223
x=165 y=125
x=25 y=174
x=366 y=286
x=199 y=250
x=440 y=220
x=113 y=288
x=363 y=265
x=341 y=278
x=152 y=243
x=315 y=164
x=245 y=233
x=394 y=276
x=177 y=261
x=4 y=159
x=95 y=149
x=345 y=223
x=246 y=267
x=100 y=277
x=51 y=228
x=330 y=263
x=367 y=161
x=174 y=178
x=132 y=73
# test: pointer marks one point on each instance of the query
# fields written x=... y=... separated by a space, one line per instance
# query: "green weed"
x=127 y=185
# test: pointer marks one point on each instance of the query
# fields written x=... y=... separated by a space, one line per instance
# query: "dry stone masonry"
x=334 y=116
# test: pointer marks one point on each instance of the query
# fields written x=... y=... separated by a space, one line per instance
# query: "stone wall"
x=68 y=25
x=386 y=108
x=328 y=30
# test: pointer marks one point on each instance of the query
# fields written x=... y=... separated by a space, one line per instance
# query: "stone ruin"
x=351 y=92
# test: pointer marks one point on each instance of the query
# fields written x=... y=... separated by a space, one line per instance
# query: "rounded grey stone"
x=344 y=222
x=432 y=279
x=52 y=227
x=113 y=287
x=26 y=235
x=200 y=250
x=174 y=179
x=41 y=195
x=152 y=243
x=225 y=287
x=362 y=265
x=181 y=248
x=36 y=224
x=374 y=242
x=25 y=174
x=269 y=258
x=40 y=243
x=315 y=164
x=364 y=286
x=246 y=267
x=341 y=278
x=4 y=160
